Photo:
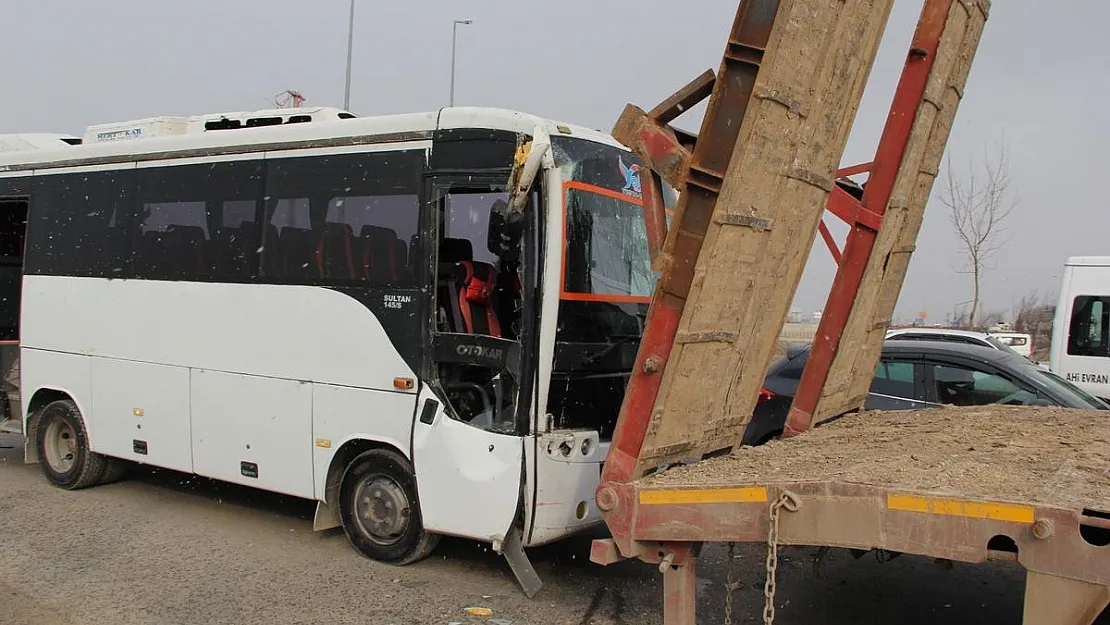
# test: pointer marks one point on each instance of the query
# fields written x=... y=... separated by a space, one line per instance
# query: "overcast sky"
x=1040 y=80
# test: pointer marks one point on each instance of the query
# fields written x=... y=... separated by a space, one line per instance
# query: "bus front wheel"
x=63 y=448
x=379 y=510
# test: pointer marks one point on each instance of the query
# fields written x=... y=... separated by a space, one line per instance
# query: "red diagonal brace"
x=851 y=211
x=876 y=195
x=655 y=216
x=862 y=168
x=829 y=242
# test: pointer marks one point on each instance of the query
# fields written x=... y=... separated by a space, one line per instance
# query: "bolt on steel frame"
x=1066 y=585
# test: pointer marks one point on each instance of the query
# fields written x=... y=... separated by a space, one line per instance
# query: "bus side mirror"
x=505 y=231
x=506 y=219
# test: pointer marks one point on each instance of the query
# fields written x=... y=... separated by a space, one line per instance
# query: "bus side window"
x=172 y=240
x=13 y=226
x=80 y=225
x=289 y=252
x=236 y=245
x=382 y=227
x=182 y=230
x=343 y=219
x=1088 y=332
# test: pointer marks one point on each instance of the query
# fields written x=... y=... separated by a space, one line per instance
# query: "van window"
x=1087 y=332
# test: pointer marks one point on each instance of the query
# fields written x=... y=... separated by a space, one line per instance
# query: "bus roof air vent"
x=172 y=125
x=35 y=141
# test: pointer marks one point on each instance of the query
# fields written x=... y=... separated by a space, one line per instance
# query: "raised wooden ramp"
x=754 y=183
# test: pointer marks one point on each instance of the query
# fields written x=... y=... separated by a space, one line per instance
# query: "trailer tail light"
x=765 y=395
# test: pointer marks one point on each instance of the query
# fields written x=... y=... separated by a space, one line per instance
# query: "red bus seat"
x=334 y=257
x=476 y=283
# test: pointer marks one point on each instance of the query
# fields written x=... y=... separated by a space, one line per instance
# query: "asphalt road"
x=162 y=548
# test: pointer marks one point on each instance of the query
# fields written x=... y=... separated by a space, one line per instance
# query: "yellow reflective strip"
x=907 y=503
x=749 y=494
x=955 y=507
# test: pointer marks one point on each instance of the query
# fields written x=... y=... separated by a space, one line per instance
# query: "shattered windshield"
x=605 y=246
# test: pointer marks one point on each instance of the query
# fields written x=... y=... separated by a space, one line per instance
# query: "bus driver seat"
x=477 y=281
x=468 y=292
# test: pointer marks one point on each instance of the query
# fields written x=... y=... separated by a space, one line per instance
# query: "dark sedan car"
x=925 y=374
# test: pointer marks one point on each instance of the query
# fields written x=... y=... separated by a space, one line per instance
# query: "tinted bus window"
x=80 y=224
x=183 y=232
x=343 y=219
x=384 y=226
x=237 y=242
x=13 y=222
x=13 y=230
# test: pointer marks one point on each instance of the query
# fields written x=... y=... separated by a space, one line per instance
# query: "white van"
x=1018 y=341
x=1081 y=328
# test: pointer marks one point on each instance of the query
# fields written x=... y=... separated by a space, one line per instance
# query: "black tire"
x=400 y=538
x=76 y=466
x=115 y=469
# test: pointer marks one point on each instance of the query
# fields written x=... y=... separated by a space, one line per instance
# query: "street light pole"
x=454 y=39
x=350 y=41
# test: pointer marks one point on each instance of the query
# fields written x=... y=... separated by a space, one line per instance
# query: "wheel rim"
x=60 y=445
x=382 y=509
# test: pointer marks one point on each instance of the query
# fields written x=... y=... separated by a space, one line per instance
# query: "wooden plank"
x=685 y=98
x=791 y=139
x=852 y=369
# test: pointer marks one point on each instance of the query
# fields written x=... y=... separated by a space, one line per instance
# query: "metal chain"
x=789 y=501
x=730 y=584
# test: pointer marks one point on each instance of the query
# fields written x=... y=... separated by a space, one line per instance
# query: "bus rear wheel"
x=379 y=510
x=63 y=447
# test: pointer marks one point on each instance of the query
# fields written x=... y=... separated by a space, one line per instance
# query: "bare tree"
x=978 y=206
x=1034 y=317
x=990 y=318
x=1029 y=312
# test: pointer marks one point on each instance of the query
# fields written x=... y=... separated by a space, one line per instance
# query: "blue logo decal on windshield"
x=631 y=178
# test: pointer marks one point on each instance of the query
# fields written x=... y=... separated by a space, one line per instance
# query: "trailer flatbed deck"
x=958 y=484
x=1040 y=456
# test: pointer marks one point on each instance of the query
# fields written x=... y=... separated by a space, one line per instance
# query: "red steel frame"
x=698 y=174
x=865 y=216
x=1068 y=581
x=696 y=166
